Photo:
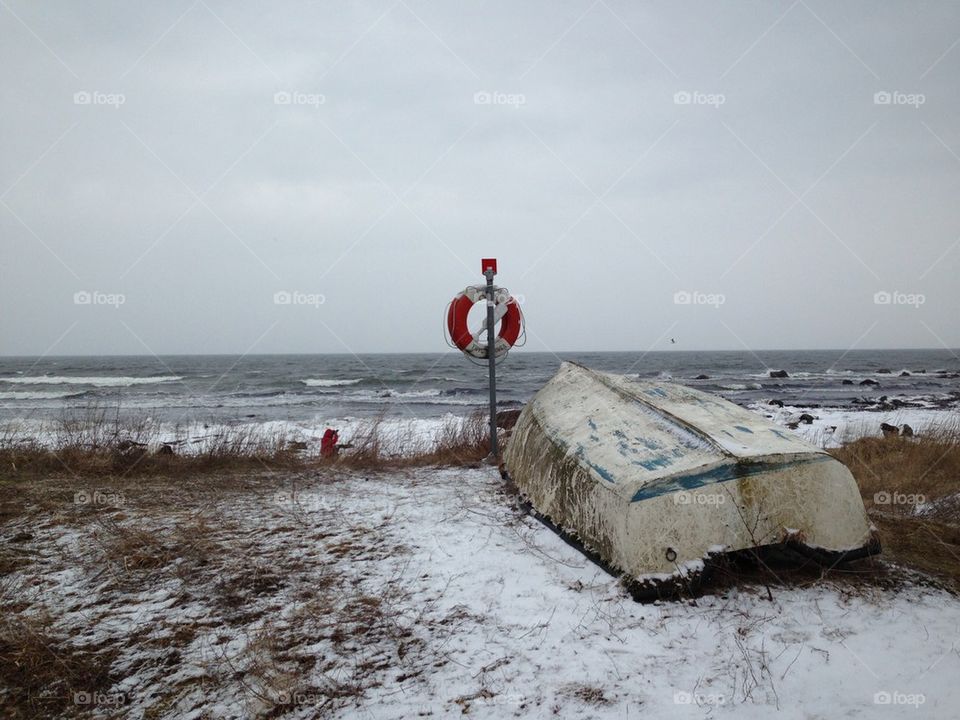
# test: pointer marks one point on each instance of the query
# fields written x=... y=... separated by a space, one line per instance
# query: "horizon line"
x=437 y=352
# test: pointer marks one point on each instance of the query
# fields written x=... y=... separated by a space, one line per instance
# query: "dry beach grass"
x=204 y=566
x=134 y=519
x=911 y=488
x=98 y=442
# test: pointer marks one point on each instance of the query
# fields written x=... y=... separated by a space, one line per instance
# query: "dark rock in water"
x=250 y=415
x=462 y=391
x=846 y=382
x=806 y=419
x=906 y=430
x=506 y=419
x=778 y=403
x=793 y=425
x=778 y=374
x=869 y=381
x=920 y=372
x=889 y=430
x=165 y=450
x=883 y=371
x=904 y=374
x=702 y=377
x=882 y=398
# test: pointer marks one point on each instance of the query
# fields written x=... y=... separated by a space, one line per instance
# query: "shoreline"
x=828 y=426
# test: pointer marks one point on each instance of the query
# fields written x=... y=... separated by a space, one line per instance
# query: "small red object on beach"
x=489 y=264
x=328 y=445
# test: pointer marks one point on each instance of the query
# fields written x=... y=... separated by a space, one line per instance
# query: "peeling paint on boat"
x=635 y=469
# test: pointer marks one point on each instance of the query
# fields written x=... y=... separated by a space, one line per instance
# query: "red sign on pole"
x=489 y=264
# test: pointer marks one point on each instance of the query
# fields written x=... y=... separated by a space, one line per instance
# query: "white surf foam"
x=26 y=395
x=322 y=382
x=96 y=381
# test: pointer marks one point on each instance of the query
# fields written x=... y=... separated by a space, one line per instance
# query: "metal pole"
x=492 y=365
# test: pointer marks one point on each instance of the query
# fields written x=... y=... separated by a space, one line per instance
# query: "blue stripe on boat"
x=721 y=474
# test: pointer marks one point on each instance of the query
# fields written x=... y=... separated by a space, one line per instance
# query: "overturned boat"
x=657 y=480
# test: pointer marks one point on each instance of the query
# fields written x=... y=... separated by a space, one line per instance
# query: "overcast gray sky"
x=731 y=174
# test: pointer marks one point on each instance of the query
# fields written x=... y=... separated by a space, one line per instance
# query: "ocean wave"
x=419 y=397
x=26 y=395
x=258 y=393
x=322 y=382
x=96 y=381
x=390 y=393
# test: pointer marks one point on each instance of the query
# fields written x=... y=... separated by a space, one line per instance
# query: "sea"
x=320 y=389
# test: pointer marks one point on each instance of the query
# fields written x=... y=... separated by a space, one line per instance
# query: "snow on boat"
x=656 y=478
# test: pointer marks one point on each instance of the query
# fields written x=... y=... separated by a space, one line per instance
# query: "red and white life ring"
x=506 y=310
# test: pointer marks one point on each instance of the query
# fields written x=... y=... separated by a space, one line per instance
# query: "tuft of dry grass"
x=896 y=474
x=42 y=674
x=911 y=489
x=460 y=441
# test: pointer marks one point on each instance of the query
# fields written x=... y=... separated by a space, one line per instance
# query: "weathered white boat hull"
x=656 y=477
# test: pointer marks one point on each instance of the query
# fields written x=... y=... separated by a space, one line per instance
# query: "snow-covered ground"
x=425 y=594
x=833 y=427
